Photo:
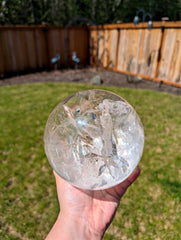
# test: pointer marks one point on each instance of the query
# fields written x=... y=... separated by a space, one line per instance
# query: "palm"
x=97 y=208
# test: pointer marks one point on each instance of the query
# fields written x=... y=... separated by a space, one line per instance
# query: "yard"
x=151 y=208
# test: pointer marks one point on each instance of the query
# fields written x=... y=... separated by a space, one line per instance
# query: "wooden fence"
x=31 y=48
x=154 y=54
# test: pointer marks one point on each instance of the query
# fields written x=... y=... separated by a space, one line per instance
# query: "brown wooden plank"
x=150 y=52
x=42 y=46
x=174 y=73
x=78 y=42
x=106 y=50
x=62 y=46
x=6 y=51
x=11 y=46
x=2 y=67
x=101 y=40
x=108 y=47
x=16 y=50
x=170 y=64
x=31 y=48
x=117 y=49
x=165 y=53
x=56 y=41
x=55 y=46
x=39 y=40
x=93 y=47
x=21 y=44
x=122 y=50
x=36 y=49
x=113 y=47
x=128 y=50
x=140 y=50
x=72 y=47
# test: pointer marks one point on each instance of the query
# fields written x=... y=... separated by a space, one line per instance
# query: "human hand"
x=86 y=214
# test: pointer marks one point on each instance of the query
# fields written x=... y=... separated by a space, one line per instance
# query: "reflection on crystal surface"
x=94 y=139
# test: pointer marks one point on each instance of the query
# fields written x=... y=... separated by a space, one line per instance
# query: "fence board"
x=2 y=64
x=78 y=42
x=170 y=64
x=31 y=49
x=11 y=48
x=106 y=53
x=175 y=70
x=101 y=46
x=128 y=51
x=20 y=50
x=93 y=47
x=41 y=48
x=113 y=48
x=150 y=52
x=6 y=51
x=56 y=45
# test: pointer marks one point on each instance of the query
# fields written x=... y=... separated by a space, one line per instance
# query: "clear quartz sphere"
x=94 y=139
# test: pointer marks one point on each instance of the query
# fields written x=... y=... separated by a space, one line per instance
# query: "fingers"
x=134 y=175
x=119 y=190
x=122 y=187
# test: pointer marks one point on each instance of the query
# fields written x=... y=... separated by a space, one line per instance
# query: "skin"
x=86 y=214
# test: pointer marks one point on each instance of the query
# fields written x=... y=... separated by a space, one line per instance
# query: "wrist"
x=69 y=228
x=77 y=228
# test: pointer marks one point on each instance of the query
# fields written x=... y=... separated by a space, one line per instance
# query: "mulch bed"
x=109 y=78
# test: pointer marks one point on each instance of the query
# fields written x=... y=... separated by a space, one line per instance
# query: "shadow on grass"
x=171 y=187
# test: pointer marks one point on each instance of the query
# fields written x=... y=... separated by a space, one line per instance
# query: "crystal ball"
x=94 y=139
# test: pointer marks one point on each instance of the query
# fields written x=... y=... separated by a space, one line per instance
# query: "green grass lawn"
x=151 y=208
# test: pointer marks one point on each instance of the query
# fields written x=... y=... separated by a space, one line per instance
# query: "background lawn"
x=151 y=208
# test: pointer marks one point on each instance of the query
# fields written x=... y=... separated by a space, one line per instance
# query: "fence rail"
x=154 y=54
x=30 y=48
